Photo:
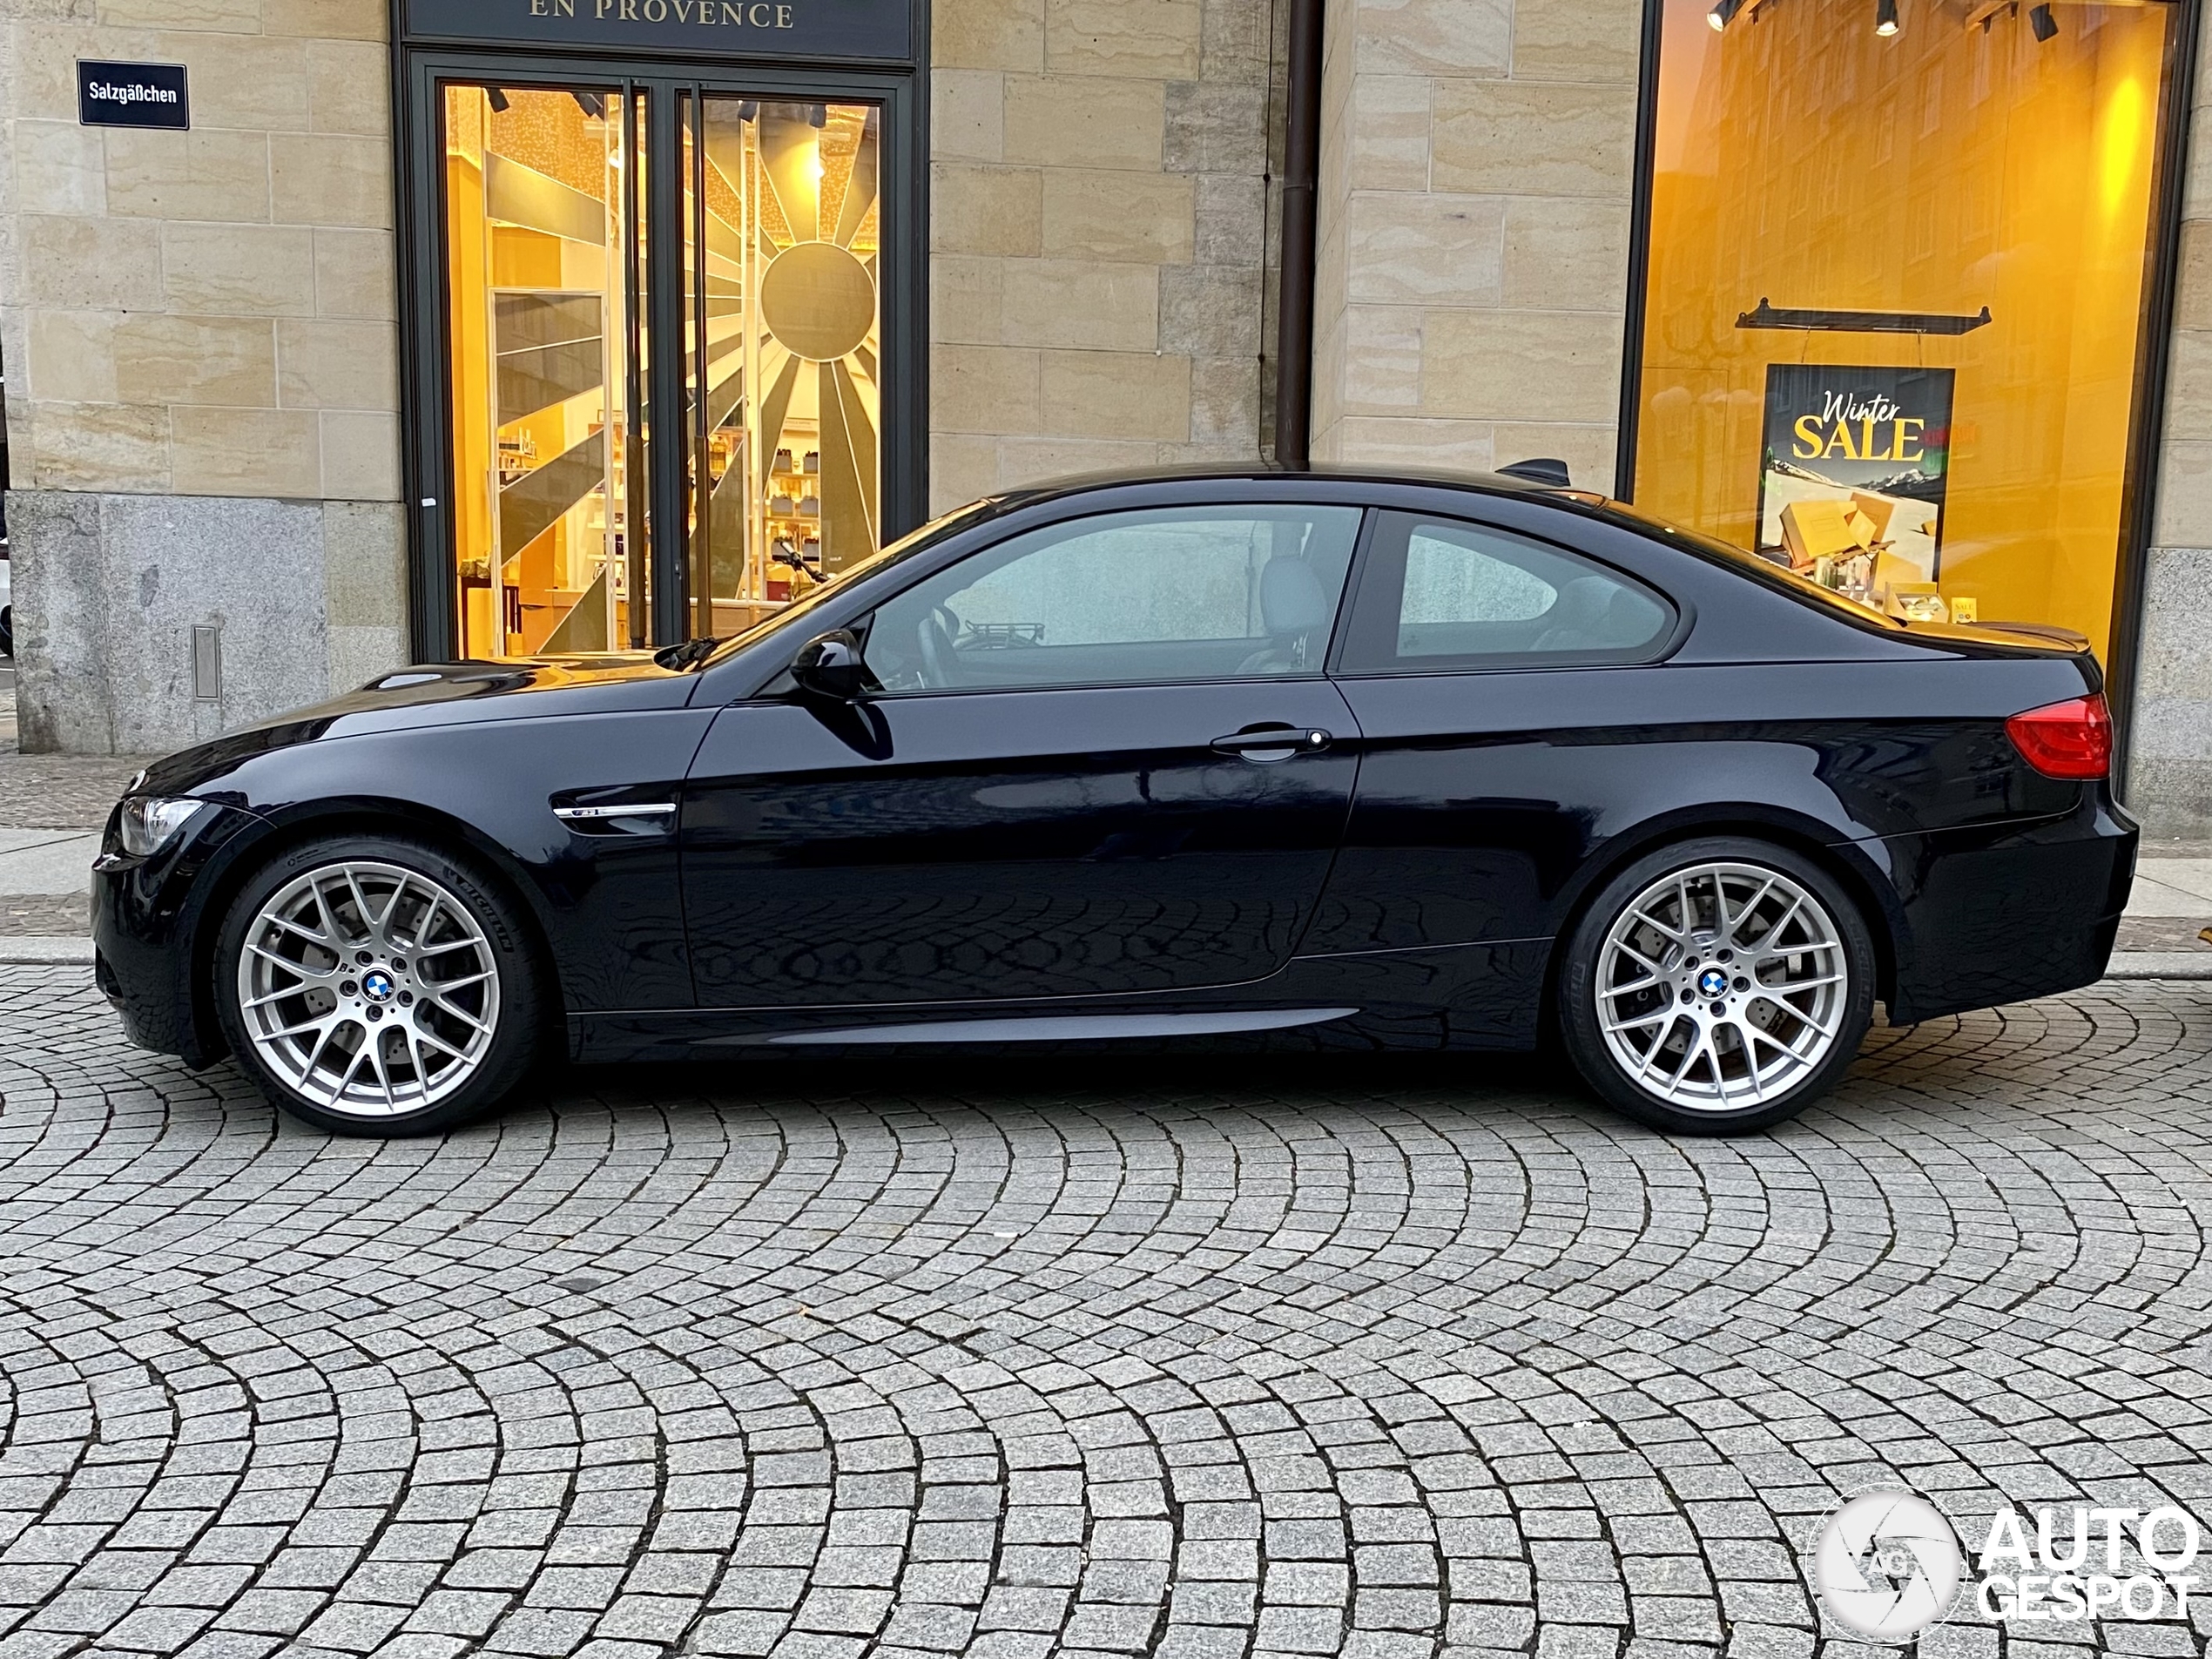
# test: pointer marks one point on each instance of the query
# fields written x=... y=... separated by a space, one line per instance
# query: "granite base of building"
x=302 y=598
x=2169 y=764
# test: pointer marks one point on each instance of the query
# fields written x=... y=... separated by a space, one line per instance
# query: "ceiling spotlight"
x=591 y=104
x=1886 y=17
x=496 y=98
x=2042 y=23
x=1724 y=13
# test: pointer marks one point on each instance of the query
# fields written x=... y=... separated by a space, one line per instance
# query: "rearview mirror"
x=829 y=665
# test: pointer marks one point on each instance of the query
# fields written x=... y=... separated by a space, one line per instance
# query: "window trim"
x=864 y=625
x=1383 y=558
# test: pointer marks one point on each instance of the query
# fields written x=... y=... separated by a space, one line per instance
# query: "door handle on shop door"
x=1268 y=744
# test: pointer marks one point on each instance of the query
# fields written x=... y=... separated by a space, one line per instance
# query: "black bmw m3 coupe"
x=1334 y=761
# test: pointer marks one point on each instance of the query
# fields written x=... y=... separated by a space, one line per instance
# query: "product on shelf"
x=1917 y=602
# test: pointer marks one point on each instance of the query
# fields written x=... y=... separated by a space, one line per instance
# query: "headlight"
x=149 y=822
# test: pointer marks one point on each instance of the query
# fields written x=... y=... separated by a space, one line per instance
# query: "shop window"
x=1917 y=382
x=614 y=489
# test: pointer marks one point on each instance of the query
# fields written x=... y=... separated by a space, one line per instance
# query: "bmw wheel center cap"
x=1712 y=983
x=377 y=985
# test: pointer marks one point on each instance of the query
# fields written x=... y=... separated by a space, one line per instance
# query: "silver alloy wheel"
x=368 y=989
x=1721 y=987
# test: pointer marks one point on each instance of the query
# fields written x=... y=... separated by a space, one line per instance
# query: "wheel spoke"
x=1798 y=1015
x=292 y=926
x=1638 y=957
x=436 y=1041
x=441 y=987
x=375 y=1047
x=318 y=1022
x=460 y=1014
x=415 y=1058
x=1691 y=1049
x=1729 y=925
x=314 y=1055
x=309 y=980
x=1792 y=986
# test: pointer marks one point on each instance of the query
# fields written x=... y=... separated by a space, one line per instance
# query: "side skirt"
x=1485 y=996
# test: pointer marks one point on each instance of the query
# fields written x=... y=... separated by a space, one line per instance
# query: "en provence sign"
x=873 y=29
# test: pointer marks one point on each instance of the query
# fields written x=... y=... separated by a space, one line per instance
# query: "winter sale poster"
x=1855 y=464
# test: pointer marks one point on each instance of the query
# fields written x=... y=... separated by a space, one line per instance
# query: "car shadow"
x=1000 y=1081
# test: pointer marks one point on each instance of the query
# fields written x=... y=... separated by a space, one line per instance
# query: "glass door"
x=664 y=348
x=539 y=237
x=788 y=321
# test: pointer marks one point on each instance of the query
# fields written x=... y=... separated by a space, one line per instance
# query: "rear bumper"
x=2006 y=914
x=149 y=917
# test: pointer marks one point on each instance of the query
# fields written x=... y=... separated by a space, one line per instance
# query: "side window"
x=1125 y=598
x=1442 y=595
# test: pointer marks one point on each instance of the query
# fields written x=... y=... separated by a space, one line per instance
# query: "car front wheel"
x=377 y=985
x=1717 y=986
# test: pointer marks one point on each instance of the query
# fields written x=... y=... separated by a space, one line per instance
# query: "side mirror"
x=829 y=665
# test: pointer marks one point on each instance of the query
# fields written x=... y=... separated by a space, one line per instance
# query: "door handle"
x=1270 y=743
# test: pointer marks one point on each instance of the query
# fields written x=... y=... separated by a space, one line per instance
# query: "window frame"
x=1378 y=589
x=864 y=625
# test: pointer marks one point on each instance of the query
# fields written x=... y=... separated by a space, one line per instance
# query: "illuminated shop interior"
x=552 y=285
x=1930 y=221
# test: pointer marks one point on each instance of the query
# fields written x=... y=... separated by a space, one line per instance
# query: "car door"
x=1103 y=759
x=1487 y=670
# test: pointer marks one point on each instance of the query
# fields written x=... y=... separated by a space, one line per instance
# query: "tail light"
x=2068 y=739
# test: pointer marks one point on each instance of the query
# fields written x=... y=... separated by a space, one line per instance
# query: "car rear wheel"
x=1717 y=986
x=375 y=986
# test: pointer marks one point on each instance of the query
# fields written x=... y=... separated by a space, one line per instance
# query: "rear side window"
x=1440 y=595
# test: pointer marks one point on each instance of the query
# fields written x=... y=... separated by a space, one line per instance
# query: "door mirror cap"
x=830 y=665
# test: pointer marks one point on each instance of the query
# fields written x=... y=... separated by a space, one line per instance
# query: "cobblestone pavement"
x=1199 y=1359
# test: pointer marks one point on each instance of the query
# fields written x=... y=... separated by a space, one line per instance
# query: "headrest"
x=1291 y=599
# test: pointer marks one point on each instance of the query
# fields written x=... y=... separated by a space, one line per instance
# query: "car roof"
x=1479 y=483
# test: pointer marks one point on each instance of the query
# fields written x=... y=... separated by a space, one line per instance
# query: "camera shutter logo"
x=1887 y=1565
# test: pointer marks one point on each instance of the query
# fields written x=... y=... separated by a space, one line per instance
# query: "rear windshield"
x=1751 y=564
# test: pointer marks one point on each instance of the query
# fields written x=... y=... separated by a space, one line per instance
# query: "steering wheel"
x=936 y=637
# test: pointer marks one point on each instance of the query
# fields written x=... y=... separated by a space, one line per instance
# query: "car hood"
x=439 y=694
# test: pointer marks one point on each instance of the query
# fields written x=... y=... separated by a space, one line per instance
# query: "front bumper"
x=151 y=918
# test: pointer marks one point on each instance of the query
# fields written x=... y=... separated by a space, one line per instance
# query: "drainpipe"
x=1301 y=181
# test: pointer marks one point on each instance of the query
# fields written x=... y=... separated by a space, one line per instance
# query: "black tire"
x=513 y=1012
x=1668 y=1014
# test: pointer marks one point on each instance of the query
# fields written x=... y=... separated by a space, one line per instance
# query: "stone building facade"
x=203 y=331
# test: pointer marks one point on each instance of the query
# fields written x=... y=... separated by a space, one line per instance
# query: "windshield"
x=905 y=547
x=1752 y=564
